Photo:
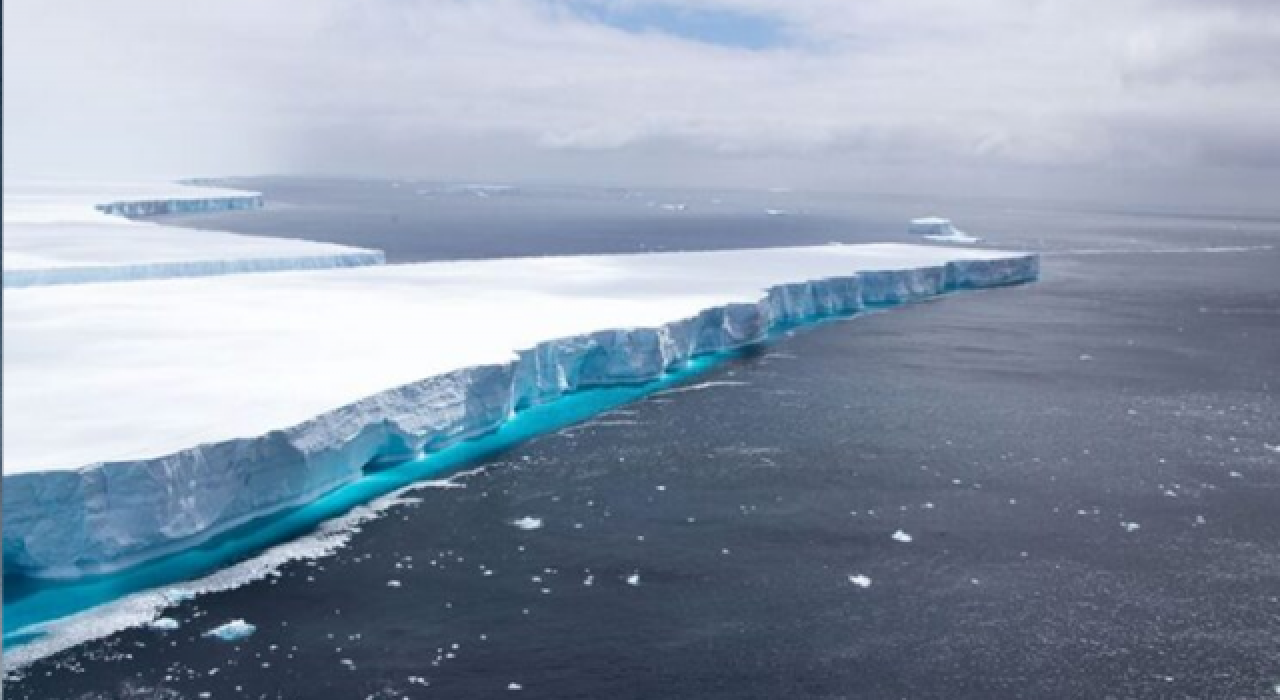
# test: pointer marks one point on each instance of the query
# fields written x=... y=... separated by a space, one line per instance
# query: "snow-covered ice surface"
x=147 y=416
x=73 y=233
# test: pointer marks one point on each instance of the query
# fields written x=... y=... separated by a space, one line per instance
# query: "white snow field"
x=73 y=233
x=939 y=230
x=146 y=416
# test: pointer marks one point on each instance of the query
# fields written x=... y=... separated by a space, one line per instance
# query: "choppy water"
x=1087 y=471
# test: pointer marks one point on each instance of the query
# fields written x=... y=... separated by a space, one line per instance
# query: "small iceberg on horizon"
x=934 y=228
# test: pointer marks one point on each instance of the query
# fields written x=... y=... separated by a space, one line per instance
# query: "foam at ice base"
x=268 y=390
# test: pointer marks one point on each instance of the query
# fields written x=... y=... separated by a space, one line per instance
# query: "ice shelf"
x=147 y=416
x=76 y=233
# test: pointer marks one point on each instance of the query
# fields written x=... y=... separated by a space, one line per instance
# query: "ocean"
x=1063 y=490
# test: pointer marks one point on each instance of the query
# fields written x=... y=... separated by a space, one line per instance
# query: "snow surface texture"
x=264 y=391
x=935 y=229
x=74 y=233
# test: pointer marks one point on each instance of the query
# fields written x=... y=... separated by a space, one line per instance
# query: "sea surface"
x=1064 y=490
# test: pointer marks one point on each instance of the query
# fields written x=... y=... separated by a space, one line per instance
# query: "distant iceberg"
x=934 y=228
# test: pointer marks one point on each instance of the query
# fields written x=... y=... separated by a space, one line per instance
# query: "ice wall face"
x=91 y=274
x=64 y=233
x=157 y=207
x=104 y=516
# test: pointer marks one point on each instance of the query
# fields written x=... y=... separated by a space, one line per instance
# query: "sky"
x=1160 y=99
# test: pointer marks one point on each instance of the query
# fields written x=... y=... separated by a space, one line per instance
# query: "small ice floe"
x=163 y=623
x=901 y=536
x=1236 y=475
x=1131 y=527
x=937 y=229
x=514 y=686
x=232 y=631
x=860 y=581
x=674 y=207
x=633 y=580
x=775 y=212
x=528 y=522
x=1276 y=449
x=393 y=584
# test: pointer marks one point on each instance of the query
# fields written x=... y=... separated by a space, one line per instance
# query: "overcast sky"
x=1161 y=95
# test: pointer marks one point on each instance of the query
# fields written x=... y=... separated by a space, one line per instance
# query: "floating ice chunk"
x=860 y=581
x=528 y=522
x=232 y=631
x=1131 y=527
x=901 y=536
x=633 y=580
x=163 y=623
x=775 y=212
x=514 y=686
x=393 y=583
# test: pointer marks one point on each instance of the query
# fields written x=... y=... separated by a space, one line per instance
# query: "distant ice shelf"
x=141 y=418
x=77 y=233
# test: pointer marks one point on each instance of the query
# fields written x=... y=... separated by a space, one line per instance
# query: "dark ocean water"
x=1087 y=470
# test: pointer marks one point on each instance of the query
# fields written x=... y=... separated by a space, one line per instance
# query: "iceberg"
x=144 y=418
x=937 y=229
x=232 y=631
x=166 y=624
x=76 y=233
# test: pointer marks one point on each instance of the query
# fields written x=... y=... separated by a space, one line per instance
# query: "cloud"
x=521 y=87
